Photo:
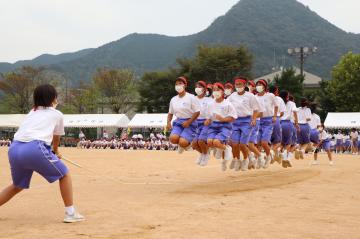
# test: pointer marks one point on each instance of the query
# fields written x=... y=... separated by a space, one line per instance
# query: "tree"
x=18 y=88
x=288 y=80
x=212 y=64
x=156 y=90
x=117 y=89
x=325 y=102
x=82 y=100
x=342 y=89
x=217 y=64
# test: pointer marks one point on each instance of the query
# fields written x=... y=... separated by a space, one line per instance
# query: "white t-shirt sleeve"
x=171 y=107
x=232 y=111
x=274 y=101
x=308 y=114
x=59 y=127
x=195 y=104
x=282 y=107
x=254 y=103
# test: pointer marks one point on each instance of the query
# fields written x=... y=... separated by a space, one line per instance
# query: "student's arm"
x=55 y=145
x=226 y=119
x=254 y=117
x=296 y=121
x=195 y=105
x=169 y=119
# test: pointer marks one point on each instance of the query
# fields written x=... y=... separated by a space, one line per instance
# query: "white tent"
x=149 y=121
x=342 y=120
x=11 y=121
x=74 y=121
x=96 y=121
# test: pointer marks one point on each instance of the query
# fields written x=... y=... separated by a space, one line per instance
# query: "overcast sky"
x=33 y=27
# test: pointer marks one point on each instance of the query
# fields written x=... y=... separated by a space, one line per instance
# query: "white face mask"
x=260 y=88
x=179 y=88
x=240 y=89
x=228 y=92
x=199 y=91
x=207 y=93
x=217 y=94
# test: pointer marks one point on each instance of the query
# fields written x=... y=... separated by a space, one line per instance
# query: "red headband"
x=202 y=83
x=238 y=81
x=183 y=79
x=229 y=85
x=209 y=86
x=219 y=85
x=252 y=83
x=263 y=82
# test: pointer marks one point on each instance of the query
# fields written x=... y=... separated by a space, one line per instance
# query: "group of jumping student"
x=244 y=118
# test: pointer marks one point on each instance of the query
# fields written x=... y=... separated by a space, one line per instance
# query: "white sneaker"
x=218 y=153
x=260 y=163
x=237 y=165
x=232 y=164
x=315 y=162
x=331 y=163
x=205 y=160
x=228 y=153
x=252 y=163
x=267 y=162
x=181 y=150
x=76 y=217
x=245 y=165
x=201 y=157
x=223 y=165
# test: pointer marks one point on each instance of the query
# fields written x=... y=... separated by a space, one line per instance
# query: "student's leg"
x=174 y=139
x=66 y=190
x=254 y=149
x=329 y=155
x=203 y=146
x=219 y=145
x=195 y=145
x=8 y=193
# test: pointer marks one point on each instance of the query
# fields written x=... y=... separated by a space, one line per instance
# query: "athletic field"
x=142 y=194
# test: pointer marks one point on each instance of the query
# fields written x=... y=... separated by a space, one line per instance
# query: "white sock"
x=70 y=210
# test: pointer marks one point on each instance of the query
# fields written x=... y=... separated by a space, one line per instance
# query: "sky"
x=29 y=28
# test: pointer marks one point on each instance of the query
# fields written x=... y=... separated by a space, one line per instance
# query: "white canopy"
x=148 y=121
x=74 y=121
x=11 y=121
x=96 y=120
x=342 y=120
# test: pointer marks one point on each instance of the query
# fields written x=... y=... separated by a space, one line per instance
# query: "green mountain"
x=45 y=60
x=267 y=27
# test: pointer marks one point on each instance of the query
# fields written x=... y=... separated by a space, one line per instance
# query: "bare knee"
x=264 y=144
x=202 y=143
x=217 y=144
x=174 y=139
x=183 y=143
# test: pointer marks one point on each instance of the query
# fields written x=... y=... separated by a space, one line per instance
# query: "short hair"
x=44 y=95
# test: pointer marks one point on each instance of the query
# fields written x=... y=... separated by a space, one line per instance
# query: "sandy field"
x=141 y=194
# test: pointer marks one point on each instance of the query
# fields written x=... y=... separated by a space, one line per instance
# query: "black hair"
x=304 y=102
x=44 y=95
x=284 y=94
x=313 y=107
x=291 y=98
x=273 y=89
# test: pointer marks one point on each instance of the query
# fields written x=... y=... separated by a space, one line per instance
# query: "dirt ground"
x=141 y=194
